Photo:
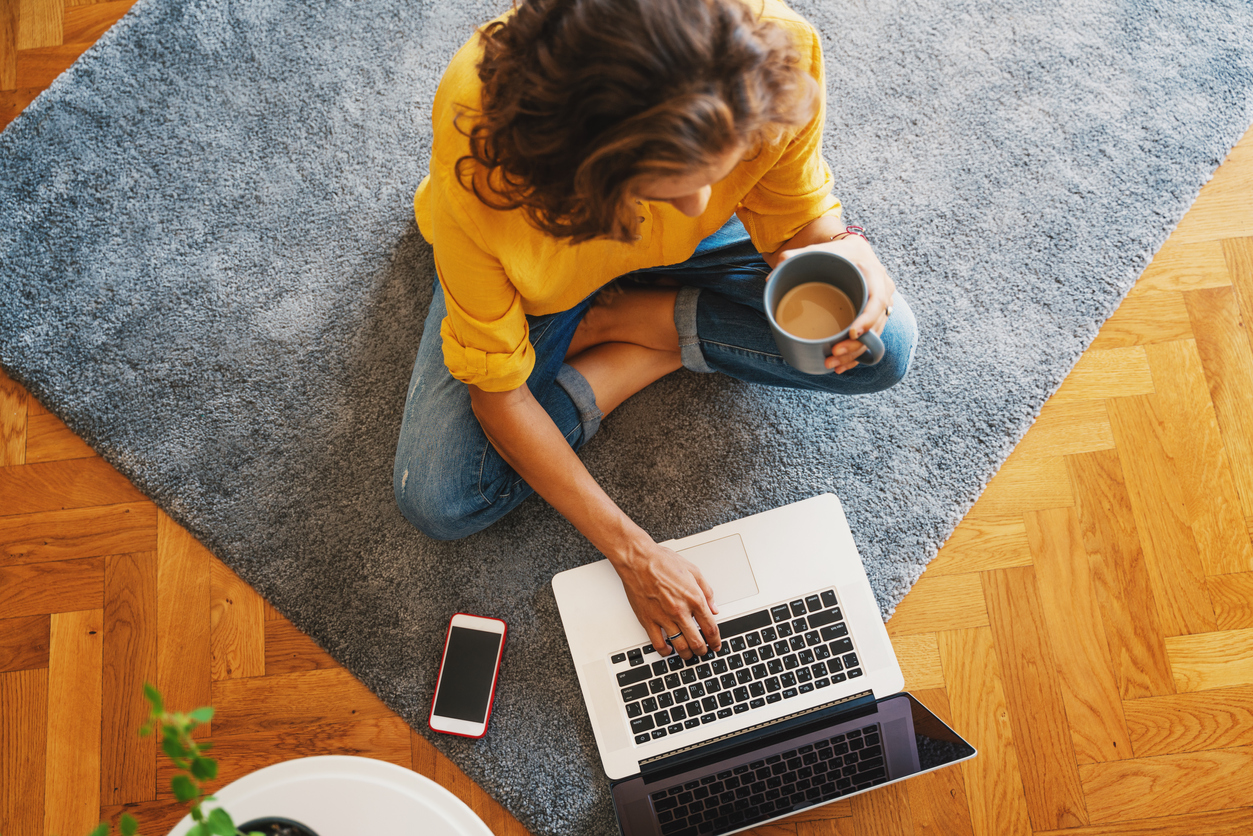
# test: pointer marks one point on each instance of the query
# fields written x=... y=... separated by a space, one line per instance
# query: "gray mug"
x=818 y=266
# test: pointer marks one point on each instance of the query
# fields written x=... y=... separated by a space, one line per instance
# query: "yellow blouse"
x=495 y=268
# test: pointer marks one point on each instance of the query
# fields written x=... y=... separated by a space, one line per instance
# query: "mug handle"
x=874 y=349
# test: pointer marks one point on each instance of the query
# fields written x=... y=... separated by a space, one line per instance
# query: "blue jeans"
x=449 y=480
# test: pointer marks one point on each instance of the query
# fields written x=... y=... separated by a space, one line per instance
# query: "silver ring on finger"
x=675 y=636
x=889 y=311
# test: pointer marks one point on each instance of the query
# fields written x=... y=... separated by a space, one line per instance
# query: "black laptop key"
x=797 y=642
x=806 y=687
x=743 y=676
x=659 y=667
x=853 y=673
x=828 y=598
x=618 y=658
x=674 y=662
x=799 y=625
x=696 y=690
x=642 y=738
x=798 y=608
x=760 y=672
x=766 y=651
x=709 y=704
x=768 y=634
x=634 y=710
x=725 y=699
x=750 y=657
x=678 y=713
x=707 y=718
x=650 y=705
x=704 y=672
x=687 y=676
x=633 y=676
x=642 y=724
x=772 y=698
x=756 y=689
x=712 y=686
x=740 y=707
x=772 y=684
x=780 y=612
x=775 y=666
x=656 y=686
x=635 y=692
x=728 y=680
x=822 y=652
x=735 y=662
x=803 y=675
x=691 y=723
x=783 y=629
x=850 y=660
x=841 y=646
x=788 y=679
x=759 y=702
x=662 y=718
x=724 y=713
x=812 y=638
x=753 y=639
x=635 y=656
x=781 y=647
x=790 y=662
x=719 y=666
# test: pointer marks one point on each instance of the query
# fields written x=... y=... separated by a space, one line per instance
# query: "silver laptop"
x=801 y=706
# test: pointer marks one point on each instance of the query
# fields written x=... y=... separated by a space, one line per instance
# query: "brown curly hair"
x=583 y=99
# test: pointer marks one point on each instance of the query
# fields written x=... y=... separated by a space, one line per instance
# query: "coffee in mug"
x=815 y=310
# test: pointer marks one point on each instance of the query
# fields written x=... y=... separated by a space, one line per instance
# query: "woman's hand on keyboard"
x=669 y=596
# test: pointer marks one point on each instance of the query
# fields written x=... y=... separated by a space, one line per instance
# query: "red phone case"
x=491 y=698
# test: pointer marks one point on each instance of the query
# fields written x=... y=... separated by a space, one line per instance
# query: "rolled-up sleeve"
x=485 y=336
x=796 y=190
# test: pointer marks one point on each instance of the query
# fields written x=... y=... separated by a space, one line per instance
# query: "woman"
x=673 y=143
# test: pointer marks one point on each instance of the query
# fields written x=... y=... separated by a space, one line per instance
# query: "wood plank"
x=23 y=743
x=79 y=532
x=1211 y=660
x=39 y=23
x=998 y=804
x=883 y=811
x=1068 y=426
x=943 y=602
x=49 y=440
x=41 y=588
x=13 y=102
x=982 y=543
x=8 y=45
x=155 y=817
x=1224 y=208
x=51 y=486
x=1169 y=785
x=1026 y=483
x=1223 y=342
x=380 y=738
x=827 y=827
x=1238 y=254
x=24 y=643
x=1113 y=373
x=1033 y=695
x=1144 y=318
x=1196 y=444
x=1233 y=600
x=1217 y=719
x=1085 y=670
x=85 y=24
x=40 y=67
x=1176 y=572
x=13 y=417
x=294 y=700
x=1220 y=823
x=74 y=710
x=1120 y=576
x=288 y=650
x=236 y=625
x=919 y=656
x=1184 y=267
x=184 y=595
x=128 y=762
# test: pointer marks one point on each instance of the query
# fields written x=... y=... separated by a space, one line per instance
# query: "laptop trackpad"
x=724 y=563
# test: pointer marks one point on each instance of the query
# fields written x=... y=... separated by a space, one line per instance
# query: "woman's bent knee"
x=429 y=511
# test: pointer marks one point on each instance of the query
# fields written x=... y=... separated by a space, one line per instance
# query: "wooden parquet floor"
x=1089 y=626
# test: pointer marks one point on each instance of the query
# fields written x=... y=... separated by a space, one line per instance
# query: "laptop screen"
x=783 y=773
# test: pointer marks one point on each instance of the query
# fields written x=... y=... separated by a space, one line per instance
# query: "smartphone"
x=467 y=675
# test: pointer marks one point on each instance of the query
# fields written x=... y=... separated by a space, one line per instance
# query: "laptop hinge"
x=718 y=748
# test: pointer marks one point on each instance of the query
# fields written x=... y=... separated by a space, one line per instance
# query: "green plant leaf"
x=101 y=830
x=204 y=769
x=220 y=823
x=129 y=825
x=184 y=789
x=174 y=748
x=154 y=696
x=197 y=830
x=203 y=715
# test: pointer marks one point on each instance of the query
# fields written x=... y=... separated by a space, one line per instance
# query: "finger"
x=695 y=641
x=680 y=644
x=844 y=353
x=657 y=635
x=706 y=589
x=709 y=628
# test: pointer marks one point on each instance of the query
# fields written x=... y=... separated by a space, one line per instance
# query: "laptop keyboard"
x=767 y=656
x=772 y=787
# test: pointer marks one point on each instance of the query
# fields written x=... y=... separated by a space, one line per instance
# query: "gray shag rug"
x=210 y=271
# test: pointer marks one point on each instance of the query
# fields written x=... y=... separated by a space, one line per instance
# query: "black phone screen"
x=465 y=686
